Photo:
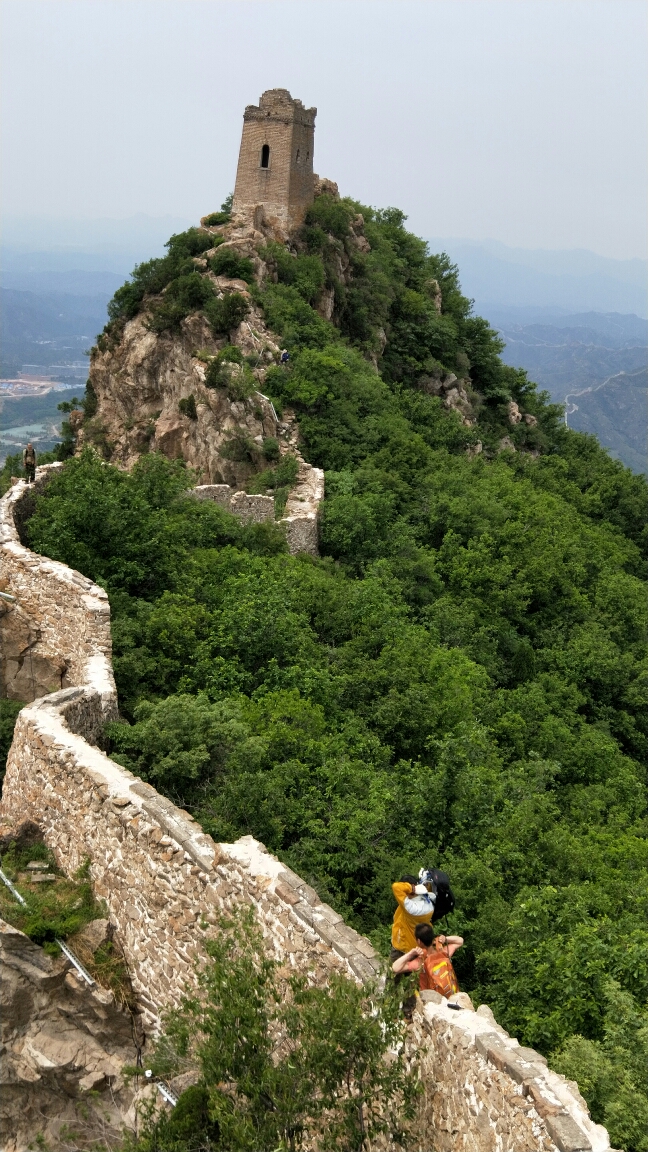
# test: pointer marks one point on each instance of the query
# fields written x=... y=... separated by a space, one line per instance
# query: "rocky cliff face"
x=140 y=379
x=140 y=376
x=64 y=1045
x=140 y=382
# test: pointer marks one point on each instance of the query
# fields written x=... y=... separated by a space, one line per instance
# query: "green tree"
x=281 y=1060
x=612 y=1073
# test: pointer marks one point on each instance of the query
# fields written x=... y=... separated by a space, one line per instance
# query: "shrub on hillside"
x=330 y=215
x=184 y=295
x=271 y=448
x=305 y=273
x=229 y=370
x=216 y=218
x=152 y=277
x=227 y=262
x=281 y=1062
x=226 y=314
x=187 y=406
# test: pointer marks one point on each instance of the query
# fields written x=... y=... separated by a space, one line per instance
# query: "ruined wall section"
x=54 y=622
x=300 y=518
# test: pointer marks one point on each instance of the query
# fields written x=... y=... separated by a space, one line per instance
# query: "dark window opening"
x=297 y=156
x=265 y=156
x=308 y=155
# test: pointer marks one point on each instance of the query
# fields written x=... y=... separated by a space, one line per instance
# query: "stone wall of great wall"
x=54 y=622
x=299 y=519
x=164 y=882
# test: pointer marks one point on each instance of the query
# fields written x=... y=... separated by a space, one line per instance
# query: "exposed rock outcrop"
x=144 y=382
x=140 y=382
x=64 y=1047
x=453 y=392
x=516 y=415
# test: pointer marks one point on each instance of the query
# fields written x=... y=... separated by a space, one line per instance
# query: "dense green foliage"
x=460 y=681
x=187 y=406
x=54 y=910
x=184 y=290
x=226 y=262
x=9 y=710
x=282 y=1063
x=612 y=1072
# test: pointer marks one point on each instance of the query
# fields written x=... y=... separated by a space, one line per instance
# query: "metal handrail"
x=75 y=961
x=64 y=947
x=162 y=1089
x=274 y=412
x=14 y=891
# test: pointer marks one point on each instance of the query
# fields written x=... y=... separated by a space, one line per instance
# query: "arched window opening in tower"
x=265 y=156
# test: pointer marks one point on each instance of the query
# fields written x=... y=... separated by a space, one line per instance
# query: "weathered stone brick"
x=566 y=1134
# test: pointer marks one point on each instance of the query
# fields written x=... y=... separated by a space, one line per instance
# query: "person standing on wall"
x=29 y=463
x=432 y=958
x=415 y=900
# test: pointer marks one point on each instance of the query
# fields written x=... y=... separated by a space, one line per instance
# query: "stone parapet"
x=163 y=879
x=482 y=1090
x=54 y=622
x=300 y=518
x=249 y=507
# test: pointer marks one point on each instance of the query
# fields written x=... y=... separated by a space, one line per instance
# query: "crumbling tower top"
x=275 y=166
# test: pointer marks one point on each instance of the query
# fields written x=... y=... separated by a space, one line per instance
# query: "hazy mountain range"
x=573 y=319
x=572 y=281
x=595 y=364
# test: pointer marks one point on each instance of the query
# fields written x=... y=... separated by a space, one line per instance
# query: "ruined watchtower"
x=275 y=166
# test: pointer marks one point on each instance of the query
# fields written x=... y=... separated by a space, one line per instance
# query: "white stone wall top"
x=251 y=854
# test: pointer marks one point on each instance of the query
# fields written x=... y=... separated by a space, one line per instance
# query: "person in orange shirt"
x=431 y=956
x=415 y=906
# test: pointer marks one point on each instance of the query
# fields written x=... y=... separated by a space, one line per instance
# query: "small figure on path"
x=29 y=463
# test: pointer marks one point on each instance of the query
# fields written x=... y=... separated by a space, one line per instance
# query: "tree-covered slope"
x=459 y=680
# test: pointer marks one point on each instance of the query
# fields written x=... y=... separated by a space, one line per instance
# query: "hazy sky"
x=518 y=120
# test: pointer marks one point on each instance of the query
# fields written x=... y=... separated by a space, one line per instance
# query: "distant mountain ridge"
x=578 y=281
x=594 y=364
x=48 y=327
x=616 y=412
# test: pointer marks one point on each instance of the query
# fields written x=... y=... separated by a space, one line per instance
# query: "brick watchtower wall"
x=275 y=166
